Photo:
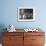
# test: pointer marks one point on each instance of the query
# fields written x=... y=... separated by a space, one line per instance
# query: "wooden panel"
x=13 y=40
x=34 y=33
x=33 y=38
x=17 y=42
x=37 y=39
x=13 y=33
x=23 y=39
x=27 y=41
x=37 y=45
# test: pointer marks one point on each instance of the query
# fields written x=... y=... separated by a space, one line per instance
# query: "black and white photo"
x=26 y=14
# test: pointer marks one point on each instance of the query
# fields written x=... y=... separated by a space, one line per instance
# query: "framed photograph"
x=26 y=14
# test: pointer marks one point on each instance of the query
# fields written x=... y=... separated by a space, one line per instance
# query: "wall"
x=8 y=9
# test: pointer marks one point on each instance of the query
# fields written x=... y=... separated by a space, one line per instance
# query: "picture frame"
x=26 y=14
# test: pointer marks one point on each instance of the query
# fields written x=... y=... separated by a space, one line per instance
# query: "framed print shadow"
x=26 y=14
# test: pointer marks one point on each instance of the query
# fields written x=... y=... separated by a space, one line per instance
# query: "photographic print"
x=26 y=14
